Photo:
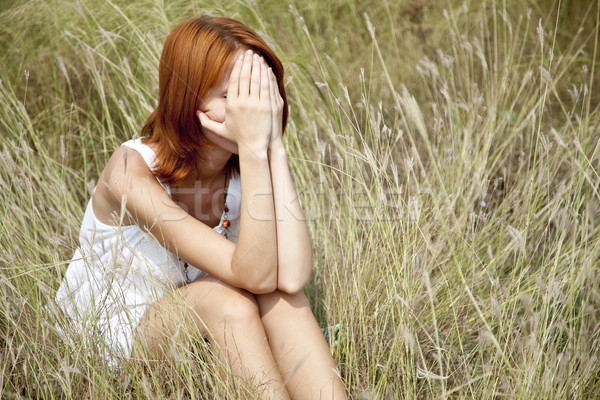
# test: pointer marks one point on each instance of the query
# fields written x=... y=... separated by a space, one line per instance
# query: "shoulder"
x=127 y=161
x=125 y=167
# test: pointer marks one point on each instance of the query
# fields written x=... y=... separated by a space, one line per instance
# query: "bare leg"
x=228 y=316
x=299 y=347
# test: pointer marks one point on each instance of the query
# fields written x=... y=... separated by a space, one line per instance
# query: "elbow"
x=263 y=283
x=293 y=285
x=294 y=277
x=263 y=287
x=291 y=288
x=257 y=274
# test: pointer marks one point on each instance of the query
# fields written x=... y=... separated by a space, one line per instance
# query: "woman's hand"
x=276 y=110
x=249 y=112
x=294 y=250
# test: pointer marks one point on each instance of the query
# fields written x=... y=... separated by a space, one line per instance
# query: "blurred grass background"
x=446 y=154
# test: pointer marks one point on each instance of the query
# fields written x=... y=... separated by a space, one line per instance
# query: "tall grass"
x=447 y=158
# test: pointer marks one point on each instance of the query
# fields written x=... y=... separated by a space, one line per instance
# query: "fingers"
x=249 y=77
x=245 y=75
x=276 y=98
x=213 y=126
x=265 y=85
x=273 y=86
x=233 y=88
x=255 y=79
x=276 y=104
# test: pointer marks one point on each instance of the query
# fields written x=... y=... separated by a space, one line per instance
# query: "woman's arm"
x=255 y=255
x=250 y=264
x=294 y=251
x=248 y=124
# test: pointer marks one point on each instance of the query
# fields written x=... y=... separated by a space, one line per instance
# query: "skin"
x=251 y=307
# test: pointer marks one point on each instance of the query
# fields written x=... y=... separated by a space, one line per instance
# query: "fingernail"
x=248 y=52
x=240 y=57
x=255 y=57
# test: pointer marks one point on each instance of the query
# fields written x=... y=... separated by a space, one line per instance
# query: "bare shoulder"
x=127 y=184
x=125 y=166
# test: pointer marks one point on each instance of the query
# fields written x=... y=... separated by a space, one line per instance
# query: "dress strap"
x=145 y=150
x=148 y=155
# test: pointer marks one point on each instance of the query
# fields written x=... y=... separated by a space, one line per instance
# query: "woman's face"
x=214 y=106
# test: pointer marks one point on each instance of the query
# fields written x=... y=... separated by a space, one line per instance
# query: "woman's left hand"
x=276 y=109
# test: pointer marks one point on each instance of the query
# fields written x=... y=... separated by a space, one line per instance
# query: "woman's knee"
x=240 y=306
x=217 y=302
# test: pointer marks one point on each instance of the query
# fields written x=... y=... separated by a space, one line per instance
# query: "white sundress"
x=117 y=272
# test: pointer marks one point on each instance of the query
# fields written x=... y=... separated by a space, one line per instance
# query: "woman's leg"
x=228 y=316
x=299 y=347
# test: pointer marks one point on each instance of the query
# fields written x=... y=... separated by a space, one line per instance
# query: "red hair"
x=195 y=55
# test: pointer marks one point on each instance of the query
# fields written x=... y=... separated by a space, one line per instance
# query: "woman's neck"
x=210 y=165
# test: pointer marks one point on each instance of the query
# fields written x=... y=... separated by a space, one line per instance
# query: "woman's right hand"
x=248 y=118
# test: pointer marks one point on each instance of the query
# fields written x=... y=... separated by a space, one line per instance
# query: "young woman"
x=196 y=225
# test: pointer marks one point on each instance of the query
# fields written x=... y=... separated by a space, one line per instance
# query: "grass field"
x=447 y=157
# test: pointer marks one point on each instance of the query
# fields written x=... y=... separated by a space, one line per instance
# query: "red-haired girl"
x=197 y=224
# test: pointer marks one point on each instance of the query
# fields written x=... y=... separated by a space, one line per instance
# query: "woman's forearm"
x=255 y=256
x=294 y=251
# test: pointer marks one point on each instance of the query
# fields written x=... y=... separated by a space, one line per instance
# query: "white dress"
x=117 y=272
